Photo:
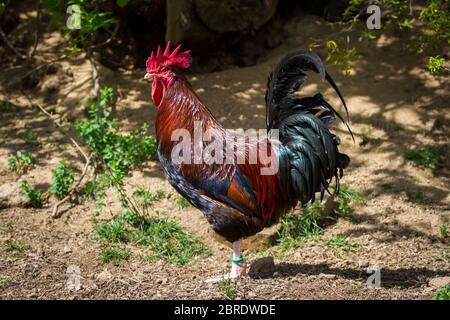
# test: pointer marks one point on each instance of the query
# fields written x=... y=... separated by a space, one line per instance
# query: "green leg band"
x=238 y=260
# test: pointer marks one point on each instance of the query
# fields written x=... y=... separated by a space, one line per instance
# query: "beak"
x=148 y=76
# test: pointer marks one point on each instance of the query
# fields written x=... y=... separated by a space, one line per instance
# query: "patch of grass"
x=444 y=230
x=427 y=156
x=443 y=294
x=62 y=178
x=414 y=195
x=89 y=190
x=6 y=106
x=183 y=203
x=2 y=142
x=16 y=247
x=114 y=231
x=20 y=161
x=114 y=255
x=295 y=229
x=346 y=201
x=340 y=242
x=34 y=197
x=146 y=198
x=388 y=186
x=31 y=136
x=166 y=239
x=4 y=282
x=229 y=288
x=356 y=289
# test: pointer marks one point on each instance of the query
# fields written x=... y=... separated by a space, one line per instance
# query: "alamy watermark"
x=374 y=20
x=73 y=278
x=211 y=146
x=374 y=279
x=74 y=20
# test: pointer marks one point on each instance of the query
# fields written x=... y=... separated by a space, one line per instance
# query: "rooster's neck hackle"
x=180 y=109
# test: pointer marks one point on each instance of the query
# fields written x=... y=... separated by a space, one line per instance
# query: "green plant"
x=414 y=195
x=340 y=242
x=443 y=294
x=119 y=153
x=295 y=229
x=166 y=239
x=229 y=288
x=17 y=247
x=345 y=198
x=63 y=177
x=113 y=232
x=427 y=156
x=114 y=255
x=113 y=154
x=339 y=56
x=89 y=17
x=20 y=162
x=444 y=230
x=183 y=203
x=31 y=136
x=34 y=196
x=6 y=106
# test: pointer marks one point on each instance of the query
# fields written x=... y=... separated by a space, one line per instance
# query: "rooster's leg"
x=238 y=267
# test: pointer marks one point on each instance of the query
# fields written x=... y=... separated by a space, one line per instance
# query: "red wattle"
x=158 y=90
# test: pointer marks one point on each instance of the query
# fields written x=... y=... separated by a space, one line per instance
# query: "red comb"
x=167 y=59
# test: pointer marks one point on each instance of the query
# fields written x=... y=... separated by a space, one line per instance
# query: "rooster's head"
x=161 y=69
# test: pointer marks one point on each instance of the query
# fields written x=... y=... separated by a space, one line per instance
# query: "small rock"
x=262 y=267
x=363 y=263
x=439 y=282
x=327 y=276
x=105 y=275
x=11 y=195
x=67 y=249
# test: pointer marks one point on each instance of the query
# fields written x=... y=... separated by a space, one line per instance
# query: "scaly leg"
x=238 y=266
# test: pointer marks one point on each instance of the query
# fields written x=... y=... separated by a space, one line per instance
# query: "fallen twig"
x=11 y=47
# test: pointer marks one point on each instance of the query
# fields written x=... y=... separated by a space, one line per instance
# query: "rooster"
x=236 y=199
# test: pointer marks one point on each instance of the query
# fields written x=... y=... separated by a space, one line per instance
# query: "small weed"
x=295 y=229
x=414 y=195
x=2 y=142
x=428 y=157
x=34 y=197
x=4 y=282
x=20 y=162
x=62 y=178
x=229 y=288
x=356 y=289
x=346 y=201
x=114 y=255
x=443 y=294
x=340 y=242
x=388 y=186
x=16 y=247
x=6 y=106
x=183 y=203
x=31 y=136
x=89 y=190
x=113 y=232
x=444 y=230
x=166 y=239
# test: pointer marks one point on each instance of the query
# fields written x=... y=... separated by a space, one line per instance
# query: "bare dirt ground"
x=391 y=98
